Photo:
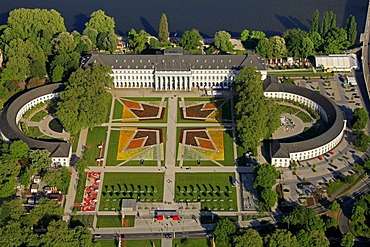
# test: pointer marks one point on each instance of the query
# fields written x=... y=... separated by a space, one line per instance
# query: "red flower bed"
x=135 y=143
x=132 y=104
x=206 y=144
x=196 y=111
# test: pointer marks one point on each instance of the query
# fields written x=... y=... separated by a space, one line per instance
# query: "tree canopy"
x=100 y=22
x=222 y=41
x=305 y=218
x=359 y=119
x=298 y=43
x=248 y=238
x=58 y=178
x=40 y=160
x=281 y=238
x=223 y=231
x=138 y=41
x=85 y=104
x=191 y=40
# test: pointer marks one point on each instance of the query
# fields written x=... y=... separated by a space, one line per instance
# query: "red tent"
x=159 y=217
x=175 y=217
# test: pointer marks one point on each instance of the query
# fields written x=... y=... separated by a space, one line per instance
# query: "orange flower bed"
x=210 y=106
x=136 y=143
x=132 y=104
x=206 y=144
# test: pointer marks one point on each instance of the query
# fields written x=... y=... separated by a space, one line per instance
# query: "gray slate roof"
x=335 y=124
x=174 y=61
x=10 y=129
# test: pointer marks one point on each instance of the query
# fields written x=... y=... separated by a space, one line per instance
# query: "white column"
x=189 y=83
x=176 y=82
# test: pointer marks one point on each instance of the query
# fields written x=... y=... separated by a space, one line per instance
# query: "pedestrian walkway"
x=46 y=130
x=70 y=197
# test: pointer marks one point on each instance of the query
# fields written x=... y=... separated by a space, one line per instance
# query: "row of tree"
x=257 y=117
x=361 y=214
x=264 y=179
x=305 y=229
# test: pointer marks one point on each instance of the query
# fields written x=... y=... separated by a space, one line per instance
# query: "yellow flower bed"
x=128 y=116
x=127 y=155
x=125 y=136
x=217 y=136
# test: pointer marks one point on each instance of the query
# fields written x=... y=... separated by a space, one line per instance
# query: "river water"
x=208 y=16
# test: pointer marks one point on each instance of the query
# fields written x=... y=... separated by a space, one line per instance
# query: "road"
x=159 y=235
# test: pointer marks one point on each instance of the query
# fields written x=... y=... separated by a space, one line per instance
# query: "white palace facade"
x=175 y=69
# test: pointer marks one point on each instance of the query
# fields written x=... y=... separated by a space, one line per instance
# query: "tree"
x=351 y=29
x=278 y=47
x=64 y=42
x=57 y=75
x=264 y=176
x=81 y=165
x=45 y=211
x=244 y=35
x=40 y=160
x=348 y=240
x=91 y=33
x=58 y=234
x=333 y=20
x=281 y=238
x=18 y=150
x=11 y=210
x=100 y=22
x=305 y=218
x=13 y=234
x=191 y=40
x=85 y=104
x=58 y=178
x=316 y=39
x=315 y=21
x=334 y=206
x=269 y=198
x=359 y=119
x=222 y=41
x=298 y=43
x=138 y=41
x=163 y=33
x=315 y=238
x=335 y=40
x=325 y=24
x=264 y=48
x=8 y=174
x=362 y=140
x=254 y=38
x=253 y=110
x=223 y=231
x=249 y=238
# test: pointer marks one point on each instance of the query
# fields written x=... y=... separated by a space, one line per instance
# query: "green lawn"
x=86 y=220
x=109 y=108
x=113 y=150
x=108 y=221
x=141 y=243
x=75 y=142
x=94 y=138
x=118 y=109
x=147 y=186
x=214 y=191
x=80 y=187
x=299 y=74
x=193 y=242
x=39 y=116
x=107 y=243
x=297 y=112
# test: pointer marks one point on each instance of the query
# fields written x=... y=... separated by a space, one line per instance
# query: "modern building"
x=337 y=62
x=11 y=115
x=284 y=151
x=174 y=69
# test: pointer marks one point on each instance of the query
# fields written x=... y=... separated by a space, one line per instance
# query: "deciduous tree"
x=249 y=238
x=264 y=48
x=351 y=30
x=223 y=231
x=281 y=238
x=85 y=104
x=58 y=178
x=100 y=22
x=191 y=40
x=222 y=41
x=348 y=240
x=138 y=41
x=40 y=160
x=315 y=21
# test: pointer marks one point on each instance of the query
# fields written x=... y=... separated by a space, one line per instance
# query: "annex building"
x=174 y=69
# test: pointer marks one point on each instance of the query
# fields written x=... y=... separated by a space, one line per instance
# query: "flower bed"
x=132 y=104
x=136 y=143
x=205 y=144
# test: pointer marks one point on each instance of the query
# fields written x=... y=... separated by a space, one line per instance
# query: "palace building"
x=174 y=69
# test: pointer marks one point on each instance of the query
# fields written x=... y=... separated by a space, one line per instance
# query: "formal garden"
x=205 y=146
x=204 y=110
x=214 y=191
x=133 y=146
x=146 y=187
x=133 y=109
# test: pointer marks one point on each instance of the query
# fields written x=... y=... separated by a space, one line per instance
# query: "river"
x=208 y=16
